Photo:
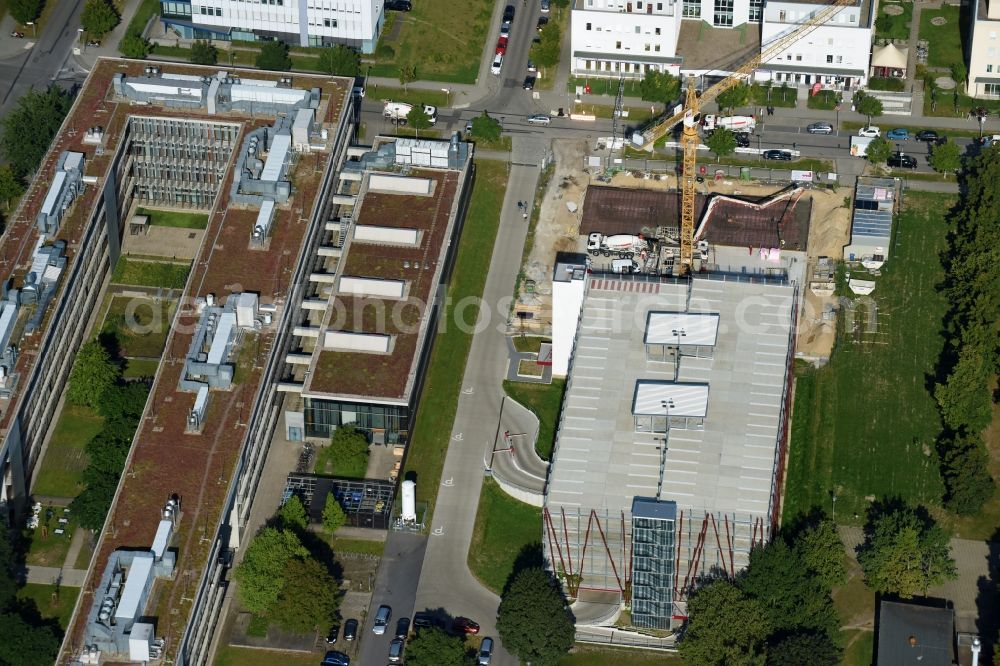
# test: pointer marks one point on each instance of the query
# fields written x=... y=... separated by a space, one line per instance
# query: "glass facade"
x=723 y=17
x=652 y=562
x=692 y=8
x=385 y=424
x=175 y=9
x=756 y=10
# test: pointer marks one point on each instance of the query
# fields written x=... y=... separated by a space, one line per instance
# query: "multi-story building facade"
x=983 y=50
x=837 y=54
x=355 y=23
x=613 y=38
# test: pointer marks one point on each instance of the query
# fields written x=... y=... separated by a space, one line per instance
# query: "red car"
x=502 y=46
x=464 y=625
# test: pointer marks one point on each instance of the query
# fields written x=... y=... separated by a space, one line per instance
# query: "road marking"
x=459 y=437
x=449 y=482
x=469 y=390
x=438 y=531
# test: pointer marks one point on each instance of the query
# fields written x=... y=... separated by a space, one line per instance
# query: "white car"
x=497 y=64
x=381 y=620
x=871 y=132
x=539 y=119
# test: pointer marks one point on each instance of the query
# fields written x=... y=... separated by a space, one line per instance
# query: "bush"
x=826 y=100
x=134 y=46
x=274 y=56
x=887 y=83
x=204 y=53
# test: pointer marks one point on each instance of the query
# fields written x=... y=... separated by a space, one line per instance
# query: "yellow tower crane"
x=688 y=115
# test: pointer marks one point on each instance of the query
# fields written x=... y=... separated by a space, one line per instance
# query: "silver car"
x=485 y=652
x=820 y=128
x=396 y=650
x=381 y=620
x=539 y=119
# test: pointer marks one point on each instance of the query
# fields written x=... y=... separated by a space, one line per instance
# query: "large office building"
x=614 y=38
x=668 y=460
x=982 y=50
x=356 y=23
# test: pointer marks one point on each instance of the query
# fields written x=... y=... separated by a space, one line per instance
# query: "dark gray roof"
x=649 y=507
x=912 y=635
x=630 y=56
x=778 y=66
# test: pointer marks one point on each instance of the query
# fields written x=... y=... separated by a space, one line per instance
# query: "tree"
x=261 y=574
x=725 y=627
x=486 y=127
x=868 y=106
x=309 y=598
x=722 y=142
x=8 y=582
x=134 y=46
x=407 y=75
x=822 y=552
x=99 y=17
x=967 y=479
x=434 y=647
x=340 y=60
x=546 y=52
x=92 y=375
x=25 y=11
x=349 y=446
x=124 y=401
x=533 y=620
x=878 y=151
x=904 y=552
x=959 y=73
x=26 y=645
x=945 y=157
x=204 y=53
x=30 y=126
x=417 y=118
x=661 y=87
x=91 y=506
x=292 y=515
x=10 y=186
x=333 y=514
x=964 y=398
x=274 y=56
x=791 y=596
x=738 y=95
x=804 y=649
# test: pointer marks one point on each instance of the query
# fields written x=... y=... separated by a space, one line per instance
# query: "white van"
x=624 y=266
x=497 y=64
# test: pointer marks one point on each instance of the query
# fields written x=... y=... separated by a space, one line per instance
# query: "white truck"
x=625 y=246
x=732 y=123
x=398 y=111
x=859 y=145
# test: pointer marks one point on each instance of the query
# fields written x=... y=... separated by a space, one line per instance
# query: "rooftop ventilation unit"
x=285 y=82
x=152 y=71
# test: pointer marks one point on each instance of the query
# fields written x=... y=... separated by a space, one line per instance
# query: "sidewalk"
x=88 y=55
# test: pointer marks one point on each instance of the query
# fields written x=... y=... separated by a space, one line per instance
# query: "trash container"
x=744 y=173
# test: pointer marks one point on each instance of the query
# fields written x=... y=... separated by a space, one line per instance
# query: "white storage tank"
x=409 y=501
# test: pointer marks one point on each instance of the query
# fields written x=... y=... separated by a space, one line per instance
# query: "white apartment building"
x=615 y=37
x=983 y=50
x=355 y=23
x=835 y=55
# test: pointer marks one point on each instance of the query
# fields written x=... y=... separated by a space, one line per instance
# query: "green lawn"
x=147 y=9
x=227 y=655
x=59 y=607
x=545 y=400
x=590 y=655
x=140 y=368
x=363 y=546
x=636 y=114
x=865 y=424
x=442 y=39
x=436 y=414
x=327 y=463
x=61 y=469
x=858 y=647
x=888 y=26
x=408 y=96
x=945 y=40
x=150 y=273
x=175 y=218
x=45 y=547
x=503 y=527
x=140 y=325
x=603 y=86
x=825 y=100
x=528 y=343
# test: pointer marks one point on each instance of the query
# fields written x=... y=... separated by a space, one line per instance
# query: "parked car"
x=398 y=5
x=545 y=6
x=782 y=155
x=531 y=67
x=542 y=20
x=497 y=64
x=502 y=45
x=898 y=134
x=871 y=132
x=334 y=658
x=539 y=119
x=402 y=627
x=505 y=29
x=423 y=620
x=485 y=652
x=742 y=139
x=820 y=128
x=381 y=619
x=902 y=161
x=331 y=637
x=468 y=126
x=928 y=135
x=464 y=625
x=396 y=650
x=350 y=630
x=508 y=14
x=529 y=83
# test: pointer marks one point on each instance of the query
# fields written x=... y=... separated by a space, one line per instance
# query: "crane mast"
x=688 y=115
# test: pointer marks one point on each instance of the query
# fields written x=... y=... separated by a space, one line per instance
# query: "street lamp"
x=79 y=32
x=32 y=24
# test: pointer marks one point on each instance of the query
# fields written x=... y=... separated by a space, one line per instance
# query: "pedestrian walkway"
x=88 y=55
x=514 y=365
x=66 y=575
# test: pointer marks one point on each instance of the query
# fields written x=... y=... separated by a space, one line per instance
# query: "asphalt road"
x=44 y=62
